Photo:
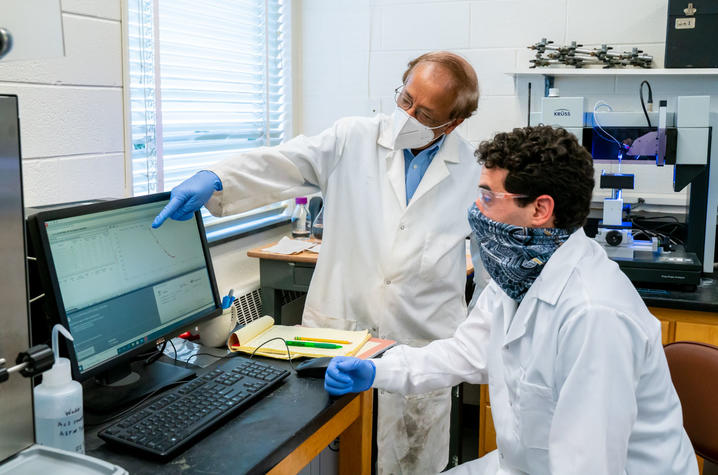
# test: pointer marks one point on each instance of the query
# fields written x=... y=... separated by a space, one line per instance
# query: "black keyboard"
x=171 y=420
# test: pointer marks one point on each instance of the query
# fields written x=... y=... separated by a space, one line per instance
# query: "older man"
x=393 y=251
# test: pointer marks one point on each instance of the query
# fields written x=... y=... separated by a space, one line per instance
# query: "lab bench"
x=684 y=316
x=279 y=434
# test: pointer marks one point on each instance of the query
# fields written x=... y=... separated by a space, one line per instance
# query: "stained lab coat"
x=577 y=376
x=397 y=270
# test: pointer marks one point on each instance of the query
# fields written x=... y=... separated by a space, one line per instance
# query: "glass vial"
x=301 y=221
x=318 y=225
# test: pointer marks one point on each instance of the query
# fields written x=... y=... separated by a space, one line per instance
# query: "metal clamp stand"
x=32 y=362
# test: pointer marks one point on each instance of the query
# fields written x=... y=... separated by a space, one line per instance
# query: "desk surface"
x=311 y=257
x=252 y=442
x=304 y=256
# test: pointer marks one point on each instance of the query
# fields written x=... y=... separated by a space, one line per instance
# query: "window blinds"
x=208 y=80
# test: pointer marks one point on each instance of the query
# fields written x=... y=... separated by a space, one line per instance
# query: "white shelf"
x=560 y=72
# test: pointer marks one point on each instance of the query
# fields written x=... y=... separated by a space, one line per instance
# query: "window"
x=208 y=80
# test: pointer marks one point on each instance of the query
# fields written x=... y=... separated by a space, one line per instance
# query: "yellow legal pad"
x=248 y=338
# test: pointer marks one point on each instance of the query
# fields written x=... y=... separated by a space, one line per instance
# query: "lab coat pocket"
x=535 y=413
x=439 y=258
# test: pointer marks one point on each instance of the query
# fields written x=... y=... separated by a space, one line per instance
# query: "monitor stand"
x=127 y=384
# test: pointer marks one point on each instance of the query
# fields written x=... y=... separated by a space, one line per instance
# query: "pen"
x=323 y=340
x=328 y=346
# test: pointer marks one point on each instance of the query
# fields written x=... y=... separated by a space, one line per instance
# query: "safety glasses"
x=487 y=197
x=405 y=102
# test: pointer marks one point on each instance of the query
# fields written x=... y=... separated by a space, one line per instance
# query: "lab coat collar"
x=548 y=286
x=397 y=176
x=385 y=132
x=554 y=277
x=437 y=171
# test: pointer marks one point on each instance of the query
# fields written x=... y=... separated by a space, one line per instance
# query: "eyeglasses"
x=404 y=101
x=487 y=197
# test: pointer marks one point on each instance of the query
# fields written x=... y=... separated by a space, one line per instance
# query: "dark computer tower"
x=692 y=34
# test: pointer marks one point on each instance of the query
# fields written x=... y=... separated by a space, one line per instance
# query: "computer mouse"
x=313 y=368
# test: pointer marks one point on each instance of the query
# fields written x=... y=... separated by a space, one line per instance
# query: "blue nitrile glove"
x=189 y=196
x=346 y=374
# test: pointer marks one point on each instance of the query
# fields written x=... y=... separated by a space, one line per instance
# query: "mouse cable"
x=289 y=355
x=207 y=354
x=155 y=355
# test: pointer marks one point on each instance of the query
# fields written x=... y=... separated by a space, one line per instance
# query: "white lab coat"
x=397 y=270
x=577 y=376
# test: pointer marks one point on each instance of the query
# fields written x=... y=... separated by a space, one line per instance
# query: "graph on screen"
x=103 y=255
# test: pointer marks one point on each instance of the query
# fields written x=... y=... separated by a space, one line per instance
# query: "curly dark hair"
x=544 y=160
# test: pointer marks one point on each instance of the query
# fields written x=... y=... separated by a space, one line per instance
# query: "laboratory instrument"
x=16 y=414
x=681 y=139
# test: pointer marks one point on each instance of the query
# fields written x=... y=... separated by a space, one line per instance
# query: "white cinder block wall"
x=71 y=109
x=354 y=52
x=71 y=120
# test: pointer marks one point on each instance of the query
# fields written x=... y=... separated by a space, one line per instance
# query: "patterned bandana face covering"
x=514 y=255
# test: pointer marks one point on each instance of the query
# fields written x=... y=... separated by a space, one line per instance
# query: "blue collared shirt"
x=416 y=165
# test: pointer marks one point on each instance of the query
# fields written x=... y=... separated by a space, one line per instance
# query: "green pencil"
x=328 y=346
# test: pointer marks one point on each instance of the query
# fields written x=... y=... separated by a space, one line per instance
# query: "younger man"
x=577 y=375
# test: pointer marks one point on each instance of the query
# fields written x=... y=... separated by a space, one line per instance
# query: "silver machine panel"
x=16 y=416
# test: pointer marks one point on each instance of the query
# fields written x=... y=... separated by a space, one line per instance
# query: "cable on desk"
x=156 y=354
x=289 y=355
x=208 y=354
x=174 y=348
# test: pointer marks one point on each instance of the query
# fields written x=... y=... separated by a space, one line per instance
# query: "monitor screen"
x=122 y=285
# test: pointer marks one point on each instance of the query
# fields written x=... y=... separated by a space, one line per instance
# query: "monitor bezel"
x=55 y=214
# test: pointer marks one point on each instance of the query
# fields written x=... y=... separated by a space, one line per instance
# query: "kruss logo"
x=562 y=113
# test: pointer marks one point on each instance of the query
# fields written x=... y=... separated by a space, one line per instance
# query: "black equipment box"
x=675 y=268
x=691 y=34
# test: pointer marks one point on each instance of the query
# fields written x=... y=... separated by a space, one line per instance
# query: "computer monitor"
x=122 y=287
